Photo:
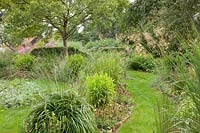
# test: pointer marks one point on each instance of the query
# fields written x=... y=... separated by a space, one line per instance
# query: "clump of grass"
x=62 y=113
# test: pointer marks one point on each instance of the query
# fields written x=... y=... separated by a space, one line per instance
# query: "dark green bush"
x=24 y=62
x=54 y=51
x=100 y=90
x=141 y=63
x=67 y=113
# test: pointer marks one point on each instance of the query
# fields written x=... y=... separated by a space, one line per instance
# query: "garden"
x=113 y=66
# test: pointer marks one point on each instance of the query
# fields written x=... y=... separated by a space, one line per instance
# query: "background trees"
x=33 y=18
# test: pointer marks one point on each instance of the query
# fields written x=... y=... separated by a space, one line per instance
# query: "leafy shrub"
x=100 y=90
x=24 y=62
x=108 y=64
x=141 y=63
x=54 y=51
x=18 y=93
x=67 y=113
x=74 y=64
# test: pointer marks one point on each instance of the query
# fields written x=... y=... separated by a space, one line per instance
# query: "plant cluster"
x=62 y=113
x=141 y=63
x=100 y=90
x=110 y=64
x=18 y=93
x=24 y=62
x=74 y=64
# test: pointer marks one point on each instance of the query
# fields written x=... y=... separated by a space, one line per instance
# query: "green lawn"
x=141 y=121
x=143 y=118
x=11 y=120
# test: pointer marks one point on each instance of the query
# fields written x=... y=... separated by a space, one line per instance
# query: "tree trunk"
x=65 y=47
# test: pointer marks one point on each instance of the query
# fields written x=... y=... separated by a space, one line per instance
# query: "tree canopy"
x=28 y=18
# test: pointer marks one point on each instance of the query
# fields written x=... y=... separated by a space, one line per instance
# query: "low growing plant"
x=100 y=90
x=17 y=93
x=24 y=62
x=62 y=113
x=141 y=63
x=74 y=64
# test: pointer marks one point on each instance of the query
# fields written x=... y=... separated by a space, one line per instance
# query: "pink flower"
x=50 y=44
x=24 y=50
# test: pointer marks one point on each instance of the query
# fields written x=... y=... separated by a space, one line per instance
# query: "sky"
x=132 y=0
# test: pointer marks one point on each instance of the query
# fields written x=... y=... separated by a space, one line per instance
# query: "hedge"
x=54 y=51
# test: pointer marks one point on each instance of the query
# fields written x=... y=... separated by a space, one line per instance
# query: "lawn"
x=142 y=119
x=11 y=120
x=145 y=97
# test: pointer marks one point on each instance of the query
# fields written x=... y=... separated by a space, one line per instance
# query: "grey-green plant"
x=19 y=93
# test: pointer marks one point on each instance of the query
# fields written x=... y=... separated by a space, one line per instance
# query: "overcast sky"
x=131 y=0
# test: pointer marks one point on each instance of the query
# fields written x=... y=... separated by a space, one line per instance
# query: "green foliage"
x=173 y=61
x=108 y=64
x=69 y=69
x=6 y=60
x=100 y=90
x=108 y=42
x=53 y=51
x=74 y=64
x=187 y=111
x=141 y=63
x=24 y=62
x=44 y=66
x=28 y=19
x=139 y=12
x=164 y=115
x=18 y=93
x=62 y=113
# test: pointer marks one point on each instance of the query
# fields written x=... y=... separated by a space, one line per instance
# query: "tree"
x=171 y=17
x=34 y=17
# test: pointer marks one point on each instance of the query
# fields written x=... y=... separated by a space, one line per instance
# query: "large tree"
x=27 y=18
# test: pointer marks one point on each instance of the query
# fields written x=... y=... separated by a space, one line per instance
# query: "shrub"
x=141 y=63
x=24 y=62
x=67 y=113
x=74 y=64
x=54 y=51
x=100 y=90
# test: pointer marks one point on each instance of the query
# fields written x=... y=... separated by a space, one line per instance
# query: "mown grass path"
x=141 y=121
x=145 y=96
